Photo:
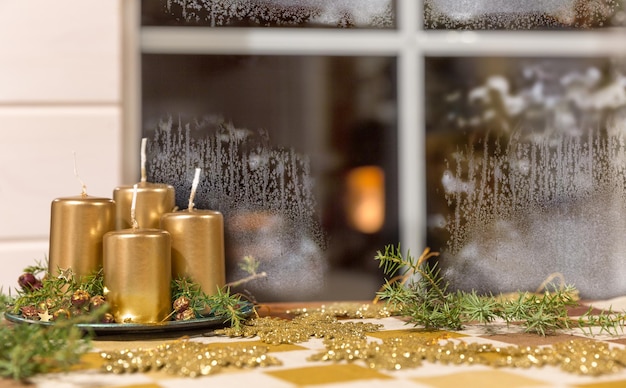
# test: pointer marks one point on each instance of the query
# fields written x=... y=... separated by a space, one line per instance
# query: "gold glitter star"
x=45 y=316
x=66 y=274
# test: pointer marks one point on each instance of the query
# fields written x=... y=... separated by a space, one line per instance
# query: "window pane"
x=379 y=14
x=523 y=15
x=527 y=171
x=284 y=132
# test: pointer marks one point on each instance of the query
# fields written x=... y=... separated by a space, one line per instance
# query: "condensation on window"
x=522 y=15
x=379 y=14
x=264 y=193
x=527 y=172
x=298 y=153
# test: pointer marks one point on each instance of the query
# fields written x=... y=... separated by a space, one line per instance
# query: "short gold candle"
x=137 y=275
x=153 y=200
x=197 y=247
x=77 y=225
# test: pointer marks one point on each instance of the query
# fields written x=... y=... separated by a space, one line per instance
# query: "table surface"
x=298 y=370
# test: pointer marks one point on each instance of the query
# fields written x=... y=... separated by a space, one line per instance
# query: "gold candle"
x=197 y=244
x=154 y=199
x=77 y=225
x=137 y=274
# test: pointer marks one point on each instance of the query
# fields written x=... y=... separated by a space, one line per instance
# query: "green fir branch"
x=228 y=305
x=27 y=350
x=30 y=349
x=421 y=294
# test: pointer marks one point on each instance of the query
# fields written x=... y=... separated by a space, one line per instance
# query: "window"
x=524 y=143
x=365 y=92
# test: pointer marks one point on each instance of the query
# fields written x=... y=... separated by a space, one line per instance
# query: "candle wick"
x=194 y=188
x=84 y=187
x=133 y=205
x=143 y=159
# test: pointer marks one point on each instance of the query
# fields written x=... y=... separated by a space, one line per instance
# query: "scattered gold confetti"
x=347 y=341
x=350 y=310
x=277 y=331
x=585 y=357
x=188 y=359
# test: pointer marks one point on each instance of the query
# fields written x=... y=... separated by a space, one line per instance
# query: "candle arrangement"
x=150 y=266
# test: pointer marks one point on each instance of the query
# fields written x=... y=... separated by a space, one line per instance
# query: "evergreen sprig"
x=418 y=291
x=27 y=350
x=229 y=306
x=185 y=287
x=221 y=303
x=56 y=292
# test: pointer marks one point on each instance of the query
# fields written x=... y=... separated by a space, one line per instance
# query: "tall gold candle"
x=154 y=199
x=137 y=273
x=197 y=244
x=77 y=225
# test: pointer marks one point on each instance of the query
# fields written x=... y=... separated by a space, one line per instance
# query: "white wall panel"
x=16 y=256
x=37 y=162
x=60 y=92
x=60 y=51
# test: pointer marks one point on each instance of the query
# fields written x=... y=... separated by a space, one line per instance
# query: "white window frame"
x=408 y=42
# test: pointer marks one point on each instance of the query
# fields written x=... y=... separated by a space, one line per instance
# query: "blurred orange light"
x=365 y=198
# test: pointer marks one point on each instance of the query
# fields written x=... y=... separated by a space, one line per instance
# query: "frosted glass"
x=271 y=13
x=277 y=137
x=523 y=15
x=526 y=163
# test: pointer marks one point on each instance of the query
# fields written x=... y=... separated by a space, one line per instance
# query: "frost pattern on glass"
x=264 y=193
x=335 y=13
x=532 y=201
x=529 y=14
